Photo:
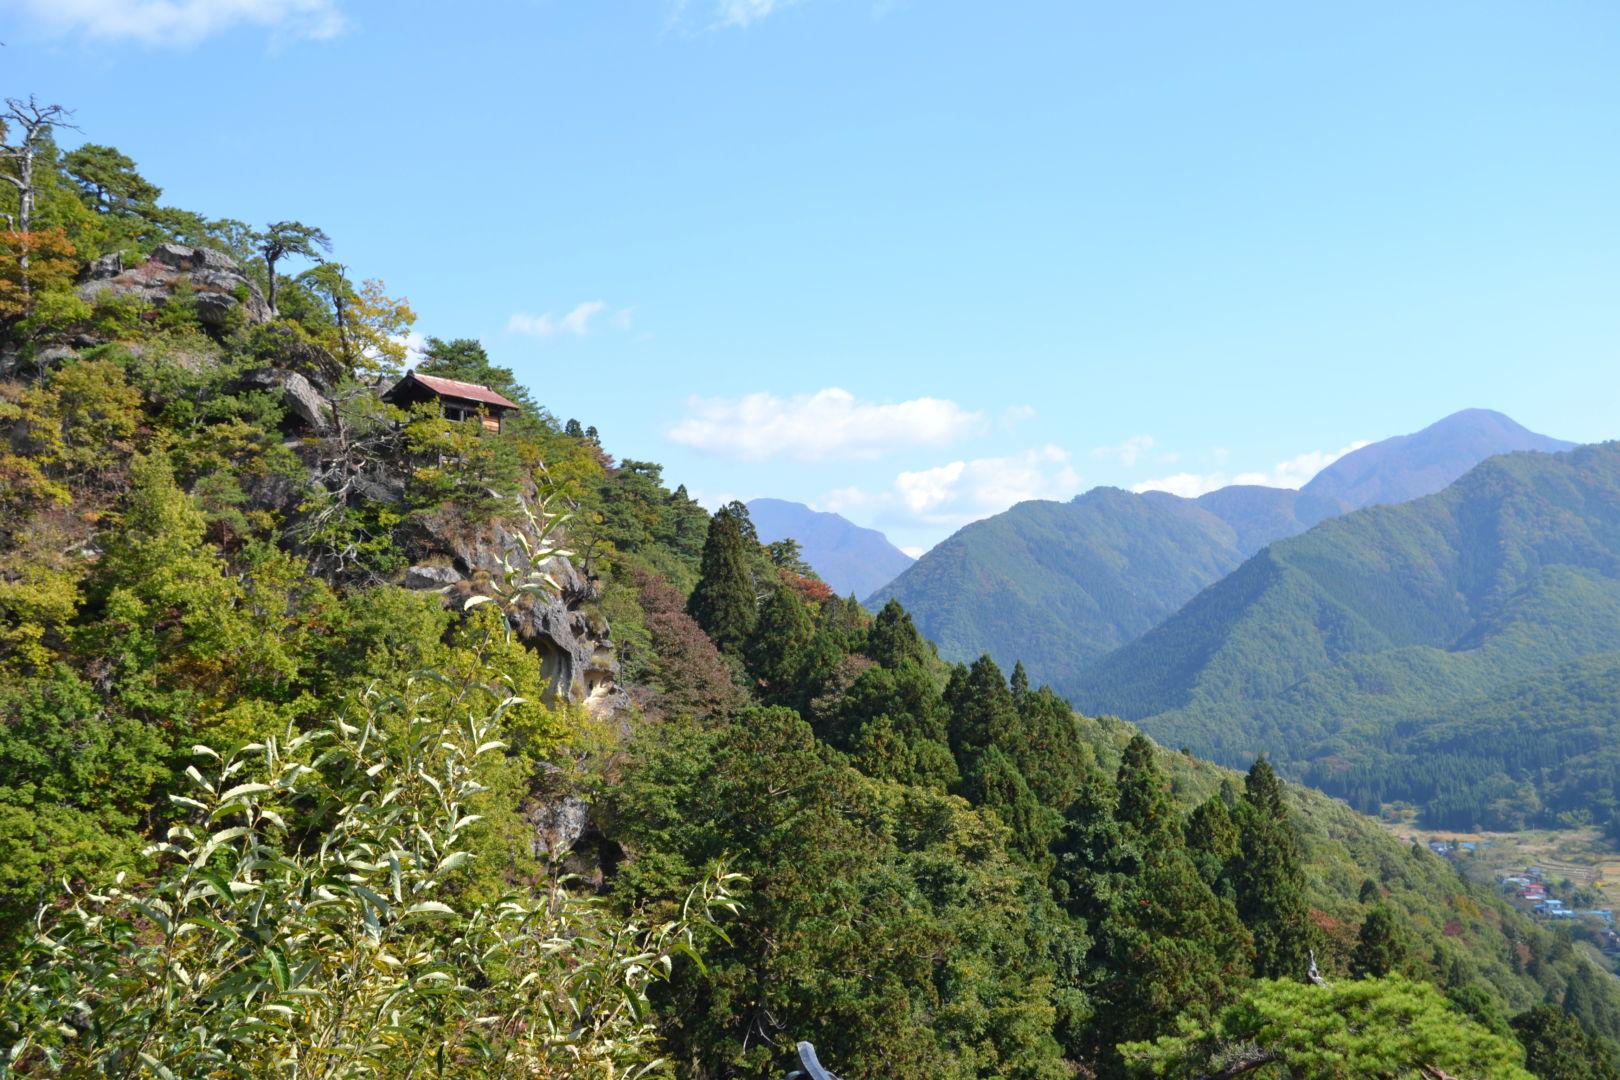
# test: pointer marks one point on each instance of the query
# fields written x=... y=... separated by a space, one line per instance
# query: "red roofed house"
x=457 y=400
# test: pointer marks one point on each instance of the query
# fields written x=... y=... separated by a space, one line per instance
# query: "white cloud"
x=916 y=551
x=958 y=492
x=1187 y=485
x=185 y=22
x=712 y=500
x=743 y=12
x=828 y=424
x=575 y=323
x=717 y=14
x=1127 y=452
x=1297 y=471
x=1292 y=473
x=415 y=344
x=1013 y=415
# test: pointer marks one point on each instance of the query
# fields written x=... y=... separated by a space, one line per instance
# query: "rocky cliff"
x=448 y=556
x=219 y=287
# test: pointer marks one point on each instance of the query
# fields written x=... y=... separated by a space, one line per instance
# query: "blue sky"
x=915 y=260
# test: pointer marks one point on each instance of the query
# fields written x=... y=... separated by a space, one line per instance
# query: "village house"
x=456 y=400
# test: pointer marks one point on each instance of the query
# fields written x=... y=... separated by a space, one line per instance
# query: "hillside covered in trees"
x=1059 y=585
x=342 y=739
x=1452 y=650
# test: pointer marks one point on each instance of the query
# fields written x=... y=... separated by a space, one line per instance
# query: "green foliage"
x=1360 y=1030
x=458 y=467
x=723 y=603
x=778 y=646
x=1380 y=945
x=107 y=179
x=253 y=952
x=285 y=239
x=893 y=638
x=1398 y=648
x=1268 y=878
x=1163 y=942
x=885 y=923
x=76 y=786
x=894 y=722
x=1211 y=837
x=1557 y=1049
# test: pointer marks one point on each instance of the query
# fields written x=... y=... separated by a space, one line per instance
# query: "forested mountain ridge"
x=1058 y=585
x=310 y=700
x=1055 y=584
x=1322 y=644
x=853 y=560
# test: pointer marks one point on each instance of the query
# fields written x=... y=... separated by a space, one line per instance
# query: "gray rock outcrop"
x=300 y=396
x=218 y=285
x=576 y=651
x=431 y=577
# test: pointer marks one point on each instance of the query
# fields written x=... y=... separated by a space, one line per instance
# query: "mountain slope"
x=1058 y=585
x=1051 y=583
x=853 y=560
x=1411 y=466
x=1541 y=751
x=1319 y=644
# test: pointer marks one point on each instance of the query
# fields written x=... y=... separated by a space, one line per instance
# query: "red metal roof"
x=457 y=389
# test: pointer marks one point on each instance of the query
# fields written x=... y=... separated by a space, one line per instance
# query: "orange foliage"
x=811 y=590
x=51 y=265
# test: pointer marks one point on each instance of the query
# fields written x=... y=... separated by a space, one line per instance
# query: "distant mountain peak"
x=850 y=558
x=1411 y=466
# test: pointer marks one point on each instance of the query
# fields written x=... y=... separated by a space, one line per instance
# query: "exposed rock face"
x=576 y=652
x=218 y=284
x=431 y=577
x=558 y=824
x=455 y=560
x=301 y=398
x=288 y=350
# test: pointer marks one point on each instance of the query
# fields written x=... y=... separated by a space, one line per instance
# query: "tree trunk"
x=271 y=263
x=25 y=202
x=342 y=327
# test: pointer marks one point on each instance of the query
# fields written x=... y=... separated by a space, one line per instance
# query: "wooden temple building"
x=456 y=400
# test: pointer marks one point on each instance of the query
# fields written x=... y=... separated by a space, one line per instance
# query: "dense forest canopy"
x=347 y=740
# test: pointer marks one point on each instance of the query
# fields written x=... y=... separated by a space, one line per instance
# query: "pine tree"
x=1557 y=1049
x=780 y=644
x=893 y=637
x=723 y=601
x=1268 y=880
x=993 y=782
x=1380 y=947
x=1212 y=837
x=1163 y=942
x=981 y=705
x=1046 y=745
x=1352 y=1028
x=1145 y=808
x=1020 y=684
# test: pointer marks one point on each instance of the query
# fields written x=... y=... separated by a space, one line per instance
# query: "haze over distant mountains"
x=1059 y=585
x=851 y=559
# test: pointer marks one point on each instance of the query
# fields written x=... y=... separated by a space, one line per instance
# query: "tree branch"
x=1265 y=1057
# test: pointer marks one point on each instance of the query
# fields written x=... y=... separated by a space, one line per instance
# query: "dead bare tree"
x=35 y=122
x=352 y=465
